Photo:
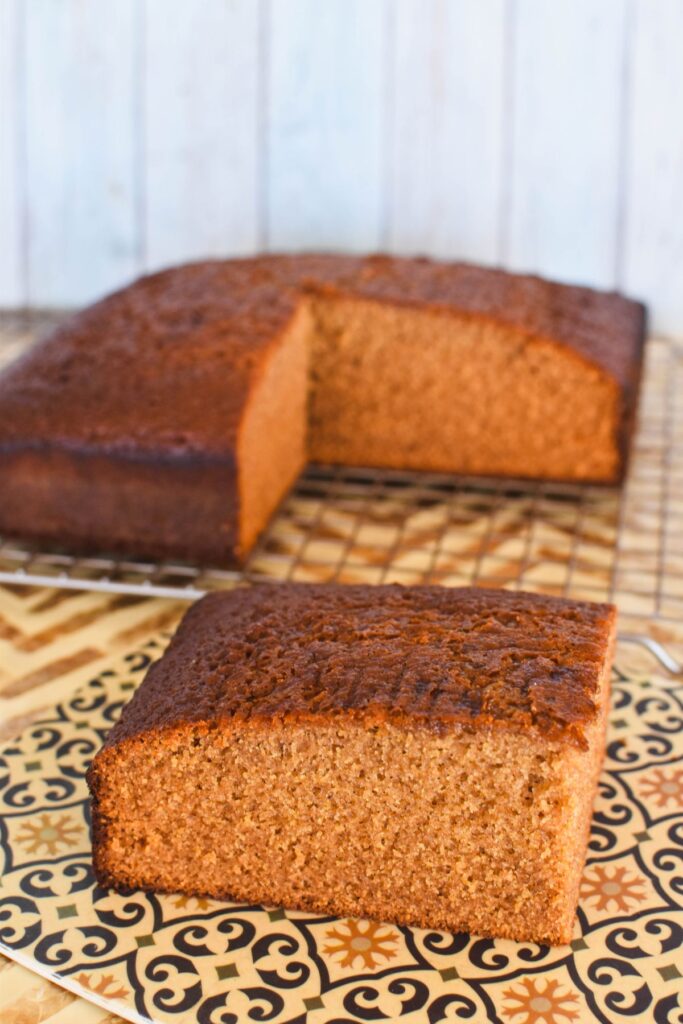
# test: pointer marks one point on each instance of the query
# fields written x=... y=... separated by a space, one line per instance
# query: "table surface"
x=52 y=641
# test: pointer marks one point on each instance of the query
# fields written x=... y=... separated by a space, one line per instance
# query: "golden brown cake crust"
x=604 y=328
x=434 y=655
x=138 y=370
x=305 y=746
x=159 y=377
x=162 y=367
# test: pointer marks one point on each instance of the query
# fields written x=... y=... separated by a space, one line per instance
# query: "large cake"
x=424 y=755
x=171 y=418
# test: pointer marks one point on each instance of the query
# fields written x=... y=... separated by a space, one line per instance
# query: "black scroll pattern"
x=167 y=957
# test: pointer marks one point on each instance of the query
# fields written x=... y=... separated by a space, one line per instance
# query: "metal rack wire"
x=363 y=525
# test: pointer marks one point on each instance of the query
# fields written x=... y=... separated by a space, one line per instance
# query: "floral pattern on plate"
x=171 y=958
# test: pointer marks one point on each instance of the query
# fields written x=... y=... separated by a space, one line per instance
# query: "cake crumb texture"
x=216 y=381
x=422 y=755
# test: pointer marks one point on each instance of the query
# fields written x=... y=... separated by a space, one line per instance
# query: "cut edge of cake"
x=521 y=405
x=382 y=786
x=273 y=432
x=553 y=396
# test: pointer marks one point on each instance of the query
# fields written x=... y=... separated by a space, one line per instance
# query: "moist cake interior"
x=197 y=820
x=422 y=755
x=386 y=385
x=271 y=445
x=170 y=418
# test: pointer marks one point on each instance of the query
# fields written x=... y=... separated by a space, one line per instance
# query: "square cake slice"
x=423 y=755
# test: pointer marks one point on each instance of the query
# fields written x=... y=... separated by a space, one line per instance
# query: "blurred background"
x=543 y=135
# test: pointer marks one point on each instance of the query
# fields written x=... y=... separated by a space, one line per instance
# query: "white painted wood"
x=653 y=253
x=326 y=90
x=80 y=104
x=202 y=169
x=565 y=161
x=12 y=279
x=546 y=135
x=447 y=129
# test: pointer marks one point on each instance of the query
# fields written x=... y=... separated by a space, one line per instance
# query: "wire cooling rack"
x=367 y=526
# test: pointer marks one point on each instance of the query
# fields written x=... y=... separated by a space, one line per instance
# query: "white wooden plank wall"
x=652 y=256
x=12 y=268
x=566 y=133
x=448 y=132
x=79 y=116
x=325 y=105
x=200 y=129
x=543 y=136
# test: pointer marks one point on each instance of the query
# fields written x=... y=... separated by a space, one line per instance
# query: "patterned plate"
x=172 y=958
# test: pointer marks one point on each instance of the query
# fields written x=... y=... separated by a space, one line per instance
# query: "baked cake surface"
x=311 y=745
x=195 y=381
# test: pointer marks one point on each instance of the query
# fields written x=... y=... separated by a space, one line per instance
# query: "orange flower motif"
x=191 y=902
x=612 y=890
x=107 y=986
x=536 y=1005
x=663 y=786
x=361 y=944
x=54 y=835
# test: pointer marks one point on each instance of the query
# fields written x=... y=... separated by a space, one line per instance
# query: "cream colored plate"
x=169 y=958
